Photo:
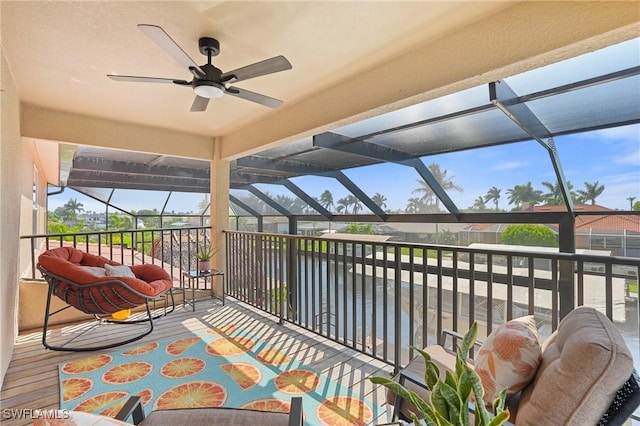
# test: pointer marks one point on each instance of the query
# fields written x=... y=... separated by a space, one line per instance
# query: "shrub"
x=529 y=235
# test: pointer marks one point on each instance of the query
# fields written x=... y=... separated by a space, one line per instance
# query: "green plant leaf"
x=464 y=385
x=500 y=418
x=406 y=394
x=498 y=403
x=443 y=421
x=438 y=401
x=450 y=380
x=450 y=394
x=478 y=391
x=431 y=370
x=463 y=348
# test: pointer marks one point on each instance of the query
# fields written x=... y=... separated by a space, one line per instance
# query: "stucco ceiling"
x=60 y=52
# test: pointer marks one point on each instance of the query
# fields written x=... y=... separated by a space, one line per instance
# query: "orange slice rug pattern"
x=228 y=368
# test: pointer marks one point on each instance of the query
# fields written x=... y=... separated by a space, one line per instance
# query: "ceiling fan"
x=208 y=81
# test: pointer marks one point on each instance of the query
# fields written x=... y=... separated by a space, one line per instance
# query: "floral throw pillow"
x=509 y=357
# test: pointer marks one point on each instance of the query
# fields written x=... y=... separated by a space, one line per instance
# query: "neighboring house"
x=618 y=234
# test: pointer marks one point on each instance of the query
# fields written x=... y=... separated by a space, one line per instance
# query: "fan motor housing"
x=208 y=44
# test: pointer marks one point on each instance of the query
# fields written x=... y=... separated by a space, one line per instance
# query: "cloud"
x=617 y=134
x=508 y=165
x=629 y=158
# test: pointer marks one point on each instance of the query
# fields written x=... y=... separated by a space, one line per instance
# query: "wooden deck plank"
x=32 y=378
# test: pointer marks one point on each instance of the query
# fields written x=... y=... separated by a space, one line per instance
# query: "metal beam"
x=358 y=193
x=116 y=177
x=244 y=206
x=367 y=149
x=108 y=165
x=566 y=244
x=504 y=98
x=140 y=186
x=288 y=166
x=240 y=178
x=269 y=201
x=306 y=198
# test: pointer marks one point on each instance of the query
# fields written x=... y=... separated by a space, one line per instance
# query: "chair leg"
x=64 y=347
x=133 y=408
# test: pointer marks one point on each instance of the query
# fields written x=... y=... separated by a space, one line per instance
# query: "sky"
x=610 y=157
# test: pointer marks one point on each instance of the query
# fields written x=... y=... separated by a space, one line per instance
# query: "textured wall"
x=10 y=174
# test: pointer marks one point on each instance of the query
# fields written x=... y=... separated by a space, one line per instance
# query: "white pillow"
x=118 y=271
x=95 y=270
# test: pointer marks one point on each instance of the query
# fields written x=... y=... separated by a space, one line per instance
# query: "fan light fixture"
x=209 y=89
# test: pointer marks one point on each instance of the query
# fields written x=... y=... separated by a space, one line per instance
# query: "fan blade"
x=163 y=40
x=136 y=79
x=268 y=66
x=254 y=97
x=199 y=104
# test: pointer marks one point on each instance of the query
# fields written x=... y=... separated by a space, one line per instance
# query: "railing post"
x=292 y=271
x=567 y=244
x=397 y=308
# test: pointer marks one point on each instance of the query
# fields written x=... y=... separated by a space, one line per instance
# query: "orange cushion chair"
x=80 y=280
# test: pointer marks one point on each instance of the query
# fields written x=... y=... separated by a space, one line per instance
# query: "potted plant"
x=204 y=255
x=449 y=399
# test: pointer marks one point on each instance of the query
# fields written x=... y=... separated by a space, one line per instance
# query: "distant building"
x=619 y=234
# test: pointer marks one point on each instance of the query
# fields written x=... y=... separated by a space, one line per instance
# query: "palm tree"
x=479 y=204
x=343 y=205
x=631 y=199
x=521 y=194
x=554 y=197
x=426 y=191
x=355 y=203
x=326 y=199
x=71 y=209
x=591 y=191
x=414 y=205
x=380 y=200
x=445 y=182
x=493 y=194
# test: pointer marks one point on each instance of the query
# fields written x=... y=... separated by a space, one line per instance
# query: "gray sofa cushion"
x=584 y=363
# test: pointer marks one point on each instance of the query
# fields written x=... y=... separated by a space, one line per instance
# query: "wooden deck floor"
x=31 y=381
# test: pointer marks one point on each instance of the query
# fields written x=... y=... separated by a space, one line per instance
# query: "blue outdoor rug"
x=223 y=367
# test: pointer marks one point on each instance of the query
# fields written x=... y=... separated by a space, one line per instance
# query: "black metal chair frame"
x=85 y=292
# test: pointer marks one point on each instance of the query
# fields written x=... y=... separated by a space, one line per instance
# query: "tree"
x=204 y=204
x=326 y=199
x=342 y=205
x=380 y=200
x=359 y=228
x=630 y=199
x=636 y=206
x=521 y=194
x=355 y=202
x=414 y=205
x=118 y=221
x=591 y=191
x=70 y=210
x=441 y=177
x=151 y=218
x=529 y=235
x=554 y=197
x=493 y=194
x=479 y=204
